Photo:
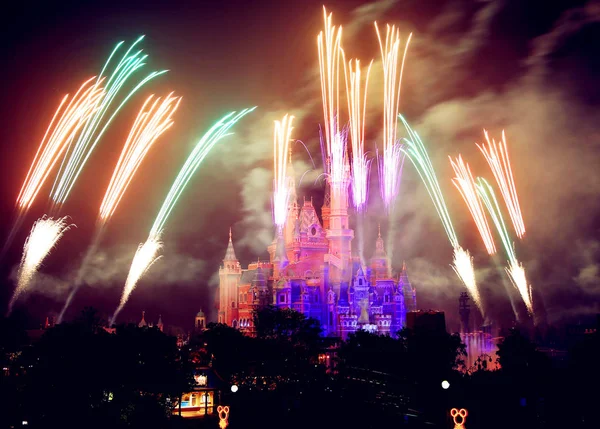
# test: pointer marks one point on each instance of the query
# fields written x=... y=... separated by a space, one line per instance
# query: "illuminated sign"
x=459 y=416
x=223 y=416
x=201 y=380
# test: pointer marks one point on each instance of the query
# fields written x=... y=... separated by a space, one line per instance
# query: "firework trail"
x=154 y=118
x=462 y=261
x=96 y=125
x=281 y=191
x=147 y=252
x=466 y=186
x=496 y=155
x=515 y=269
x=357 y=107
x=68 y=119
x=333 y=145
x=392 y=157
x=44 y=235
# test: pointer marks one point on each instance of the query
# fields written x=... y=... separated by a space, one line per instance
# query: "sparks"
x=146 y=253
x=44 y=235
x=515 y=269
x=357 y=107
x=95 y=127
x=466 y=186
x=145 y=256
x=392 y=159
x=463 y=262
x=152 y=121
x=65 y=124
x=496 y=155
x=334 y=145
x=281 y=191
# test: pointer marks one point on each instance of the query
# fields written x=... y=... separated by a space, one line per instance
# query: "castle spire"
x=230 y=253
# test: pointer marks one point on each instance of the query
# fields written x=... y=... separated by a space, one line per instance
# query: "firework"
x=357 y=107
x=145 y=256
x=63 y=127
x=281 y=191
x=154 y=118
x=463 y=262
x=515 y=269
x=496 y=155
x=44 y=235
x=152 y=121
x=146 y=253
x=390 y=164
x=334 y=144
x=466 y=186
x=96 y=125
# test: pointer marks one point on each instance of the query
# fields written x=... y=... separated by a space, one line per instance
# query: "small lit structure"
x=223 y=416
x=459 y=417
x=203 y=399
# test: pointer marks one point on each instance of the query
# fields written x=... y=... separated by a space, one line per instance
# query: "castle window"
x=282 y=298
x=232 y=304
x=331 y=318
x=360 y=282
x=235 y=324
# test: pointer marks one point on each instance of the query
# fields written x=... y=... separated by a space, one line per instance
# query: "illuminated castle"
x=311 y=270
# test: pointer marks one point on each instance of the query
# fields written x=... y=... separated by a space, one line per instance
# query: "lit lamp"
x=234 y=388
x=445 y=384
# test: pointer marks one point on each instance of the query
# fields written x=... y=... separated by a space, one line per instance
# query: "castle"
x=311 y=270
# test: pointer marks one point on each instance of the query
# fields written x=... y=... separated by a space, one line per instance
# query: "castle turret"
x=160 y=324
x=200 y=322
x=229 y=277
x=143 y=323
x=380 y=269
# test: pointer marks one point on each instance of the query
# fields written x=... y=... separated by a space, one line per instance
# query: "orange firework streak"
x=149 y=125
x=57 y=138
x=466 y=186
x=496 y=154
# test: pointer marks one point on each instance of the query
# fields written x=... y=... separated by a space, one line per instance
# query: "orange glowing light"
x=459 y=417
x=223 y=416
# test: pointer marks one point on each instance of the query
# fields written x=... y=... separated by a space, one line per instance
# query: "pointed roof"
x=230 y=253
x=160 y=322
x=143 y=323
x=379 y=246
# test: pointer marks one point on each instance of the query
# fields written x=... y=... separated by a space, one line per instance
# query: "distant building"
x=204 y=398
x=426 y=320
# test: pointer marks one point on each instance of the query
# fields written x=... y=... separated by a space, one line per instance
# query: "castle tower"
x=229 y=278
x=200 y=322
x=293 y=208
x=160 y=324
x=379 y=261
x=143 y=323
x=464 y=309
x=339 y=234
x=410 y=294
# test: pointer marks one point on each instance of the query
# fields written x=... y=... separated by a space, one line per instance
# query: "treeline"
x=80 y=375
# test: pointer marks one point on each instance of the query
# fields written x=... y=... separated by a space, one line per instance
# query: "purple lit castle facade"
x=311 y=270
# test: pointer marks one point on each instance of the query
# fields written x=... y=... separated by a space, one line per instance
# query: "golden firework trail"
x=515 y=269
x=281 y=191
x=154 y=118
x=145 y=256
x=392 y=158
x=44 y=235
x=65 y=124
x=465 y=184
x=357 y=108
x=496 y=155
x=334 y=145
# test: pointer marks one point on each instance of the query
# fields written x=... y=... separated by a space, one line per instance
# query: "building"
x=311 y=270
x=205 y=396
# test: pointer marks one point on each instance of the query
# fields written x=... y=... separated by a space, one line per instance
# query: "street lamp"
x=234 y=388
x=445 y=385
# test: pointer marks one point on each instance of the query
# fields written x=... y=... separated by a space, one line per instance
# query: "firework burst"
x=466 y=186
x=357 y=107
x=281 y=191
x=153 y=120
x=96 y=125
x=44 y=235
x=496 y=155
x=462 y=262
x=146 y=253
x=515 y=269
x=391 y=161
x=333 y=145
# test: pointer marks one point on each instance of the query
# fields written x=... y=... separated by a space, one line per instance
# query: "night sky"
x=528 y=67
